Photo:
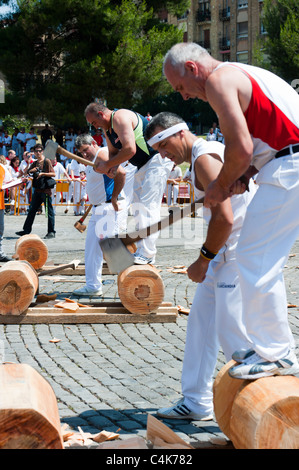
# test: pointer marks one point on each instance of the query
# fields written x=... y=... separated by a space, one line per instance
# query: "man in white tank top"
x=258 y=116
x=216 y=312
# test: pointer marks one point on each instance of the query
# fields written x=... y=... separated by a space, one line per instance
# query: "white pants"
x=270 y=229
x=149 y=184
x=104 y=222
x=172 y=190
x=215 y=317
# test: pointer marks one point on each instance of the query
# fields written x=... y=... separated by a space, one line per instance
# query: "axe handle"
x=56 y=270
x=85 y=214
x=68 y=154
x=164 y=223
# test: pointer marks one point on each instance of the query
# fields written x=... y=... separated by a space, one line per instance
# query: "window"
x=242 y=29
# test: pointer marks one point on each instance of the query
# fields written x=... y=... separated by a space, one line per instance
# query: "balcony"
x=224 y=44
x=203 y=15
x=224 y=14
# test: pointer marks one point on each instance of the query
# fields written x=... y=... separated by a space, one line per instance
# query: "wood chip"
x=73 y=307
x=183 y=310
x=292 y=305
x=42 y=298
x=104 y=436
x=54 y=340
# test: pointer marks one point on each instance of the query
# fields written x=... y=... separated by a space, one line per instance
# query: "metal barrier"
x=64 y=193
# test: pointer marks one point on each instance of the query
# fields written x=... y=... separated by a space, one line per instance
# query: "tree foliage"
x=281 y=20
x=58 y=56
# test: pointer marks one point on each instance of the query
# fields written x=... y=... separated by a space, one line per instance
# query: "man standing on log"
x=258 y=116
x=108 y=216
x=124 y=132
x=216 y=312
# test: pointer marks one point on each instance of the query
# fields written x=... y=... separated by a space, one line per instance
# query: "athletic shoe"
x=87 y=292
x=180 y=411
x=140 y=259
x=4 y=258
x=49 y=235
x=242 y=354
x=21 y=233
x=255 y=367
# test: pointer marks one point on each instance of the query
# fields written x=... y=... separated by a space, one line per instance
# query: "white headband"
x=167 y=133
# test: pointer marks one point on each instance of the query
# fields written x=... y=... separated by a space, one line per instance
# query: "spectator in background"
x=14 y=169
x=6 y=143
x=46 y=134
x=21 y=138
x=4 y=178
x=14 y=141
x=31 y=139
x=98 y=137
x=211 y=135
x=175 y=176
x=70 y=138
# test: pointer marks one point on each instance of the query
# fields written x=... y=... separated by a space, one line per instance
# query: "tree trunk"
x=29 y=416
x=18 y=286
x=140 y=289
x=33 y=249
x=258 y=414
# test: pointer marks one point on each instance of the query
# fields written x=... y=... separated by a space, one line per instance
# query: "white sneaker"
x=255 y=367
x=140 y=259
x=180 y=411
x=87 y=292
x=242 y=354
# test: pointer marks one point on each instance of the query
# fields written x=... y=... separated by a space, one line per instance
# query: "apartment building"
x=227 y=28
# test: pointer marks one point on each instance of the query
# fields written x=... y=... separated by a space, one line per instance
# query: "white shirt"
x=32 y=141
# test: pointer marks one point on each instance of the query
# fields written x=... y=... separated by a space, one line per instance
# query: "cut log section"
x=140 y=289
x=18 y=286
x=259 y=414
x=33 y=249
x=29 y=416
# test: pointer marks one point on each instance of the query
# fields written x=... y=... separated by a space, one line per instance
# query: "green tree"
x=58 y=56
x=281 y=21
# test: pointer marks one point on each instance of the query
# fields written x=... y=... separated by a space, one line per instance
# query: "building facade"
x=229 y=29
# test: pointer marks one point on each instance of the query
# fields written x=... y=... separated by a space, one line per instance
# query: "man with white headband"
x=216 y=312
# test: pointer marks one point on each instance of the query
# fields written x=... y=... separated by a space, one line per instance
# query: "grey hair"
x=181 y=53
x=84 y=139
x=163 y=120
x=94 y=108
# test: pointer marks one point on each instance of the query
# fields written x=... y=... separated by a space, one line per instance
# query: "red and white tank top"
x=272 y=115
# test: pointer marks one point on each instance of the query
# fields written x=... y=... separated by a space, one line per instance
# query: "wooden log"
x=140 y=289
x=18 y=286
x=29 y=416
x=258 y=414
x=224 y=391
x=32 y=249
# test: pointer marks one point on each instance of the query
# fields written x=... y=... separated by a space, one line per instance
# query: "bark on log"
x=140 y=289
x=258 y=414
x=18 y=286
x=29 y=416
x=33 y=249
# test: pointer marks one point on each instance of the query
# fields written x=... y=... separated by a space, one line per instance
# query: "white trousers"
x=269 y=231
x=148 y=190
x=215 y=317
x=104 y=222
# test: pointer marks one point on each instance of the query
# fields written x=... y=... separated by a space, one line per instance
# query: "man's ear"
x=190 y=66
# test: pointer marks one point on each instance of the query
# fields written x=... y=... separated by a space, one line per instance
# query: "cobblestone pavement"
x=110 y=376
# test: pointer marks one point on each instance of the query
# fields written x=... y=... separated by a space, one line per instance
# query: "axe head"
x=79 y=226
x=50 y=149
x=117 y=256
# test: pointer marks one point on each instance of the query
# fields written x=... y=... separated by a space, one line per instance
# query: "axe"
x=114 y=249
x=72 y=265
x=52 y=147
x=79 y=224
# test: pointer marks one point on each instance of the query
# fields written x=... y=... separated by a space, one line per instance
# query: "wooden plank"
x=105 y=314
x=79 y=271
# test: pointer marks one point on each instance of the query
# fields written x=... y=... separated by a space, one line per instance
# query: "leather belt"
x=287 y=151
